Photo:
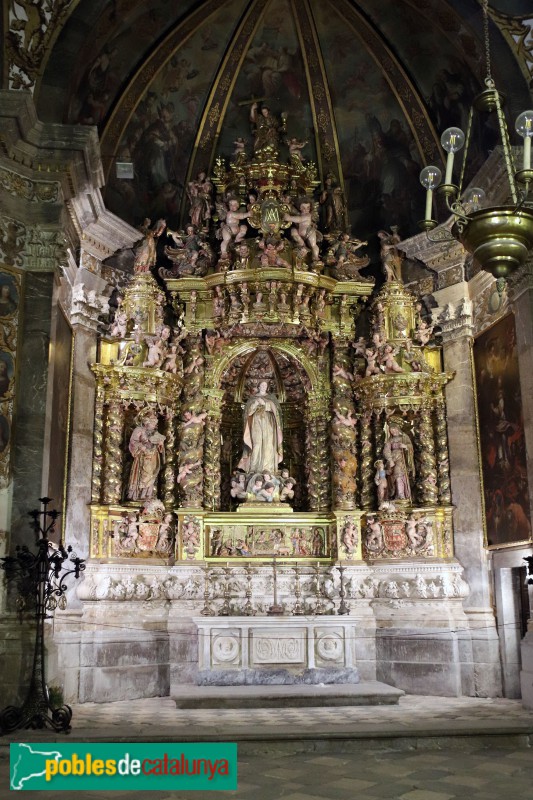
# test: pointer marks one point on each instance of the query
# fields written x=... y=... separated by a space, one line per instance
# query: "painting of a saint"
x=8 y=295
x=6 y=372
x=501 y=433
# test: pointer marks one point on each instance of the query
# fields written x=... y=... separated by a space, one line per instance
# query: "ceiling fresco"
x=369 y=85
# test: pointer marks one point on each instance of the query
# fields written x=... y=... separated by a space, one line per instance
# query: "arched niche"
x=292 y=378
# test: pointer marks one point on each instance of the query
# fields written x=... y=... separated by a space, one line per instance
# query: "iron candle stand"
x=40 y=579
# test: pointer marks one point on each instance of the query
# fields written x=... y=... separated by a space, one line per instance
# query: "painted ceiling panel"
x=169 y=86
x=272 y=71
x=161 y=131
x=379 y=155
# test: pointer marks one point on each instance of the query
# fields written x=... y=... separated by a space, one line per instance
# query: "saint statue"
x=399 y=459
x=146 y=252
x=146 y=447
x=263 y=436
x=267 y=129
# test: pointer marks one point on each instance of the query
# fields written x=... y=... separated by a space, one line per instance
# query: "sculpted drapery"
x=146 y=447
x=263 y=436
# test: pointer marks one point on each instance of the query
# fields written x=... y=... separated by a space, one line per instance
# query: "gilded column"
x=98 y=455
x=443 y=457
x=427 y=472
x=212 y=450
x=343 y=431
x=366 y=480
x=169 y=477
x=114 y=456
x=191 y=430
x=317 y=451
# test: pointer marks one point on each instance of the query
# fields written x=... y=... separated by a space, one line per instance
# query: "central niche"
x=286 y=379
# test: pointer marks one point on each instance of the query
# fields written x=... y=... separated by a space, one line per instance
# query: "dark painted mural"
x=397 y=73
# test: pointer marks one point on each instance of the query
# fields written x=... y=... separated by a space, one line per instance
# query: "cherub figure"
x=374 y=534
x=371 y=358
x=239 y=154
x=243 y=256
x=287 y=491
x=388 y=361
x=130 y=540
x=194 y=419
x=164 y=537
x=156 y=352
x=232 y=229
x=410 y=530
x=218 y=302
x=424 y=332
x=295 y=148
x=304 y=231
x=348 y=420
x=120 y=323
x=272 y=247
x=186 y=469
x=238 y=485
x=171 y=360
x=349 y=536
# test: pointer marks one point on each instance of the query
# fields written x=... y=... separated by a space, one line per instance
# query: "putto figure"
x=304 y=231
x=232 y=229
x=263 y=436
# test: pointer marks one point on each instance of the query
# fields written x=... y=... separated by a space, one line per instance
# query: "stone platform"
x=316 y=696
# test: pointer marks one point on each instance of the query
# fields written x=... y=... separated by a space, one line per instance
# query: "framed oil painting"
x=501 y=435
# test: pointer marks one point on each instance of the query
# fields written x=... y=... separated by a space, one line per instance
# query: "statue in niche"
x=146 y=447
x=263 y=436
x=266 y=129
x=399 y=458
x=146 y=252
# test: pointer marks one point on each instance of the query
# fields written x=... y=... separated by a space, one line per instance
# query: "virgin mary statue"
x=263 y=436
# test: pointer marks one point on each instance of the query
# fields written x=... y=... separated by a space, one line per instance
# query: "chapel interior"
x=278 y=384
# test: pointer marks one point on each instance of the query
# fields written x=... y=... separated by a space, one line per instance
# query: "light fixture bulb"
x=474 y=198
x=452 y=139
x=430 y=177
x=524 y=124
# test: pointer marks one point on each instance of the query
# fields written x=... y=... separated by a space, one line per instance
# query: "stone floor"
x=423 y=749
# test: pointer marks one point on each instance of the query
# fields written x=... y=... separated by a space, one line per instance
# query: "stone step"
x=300 y=696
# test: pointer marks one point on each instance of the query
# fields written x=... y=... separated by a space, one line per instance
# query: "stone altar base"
x=277 y=677
x=365 y=693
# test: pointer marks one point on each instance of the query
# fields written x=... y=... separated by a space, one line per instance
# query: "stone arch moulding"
x=214 y=376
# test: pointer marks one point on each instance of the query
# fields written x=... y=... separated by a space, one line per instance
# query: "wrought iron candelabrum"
x=40 y=581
